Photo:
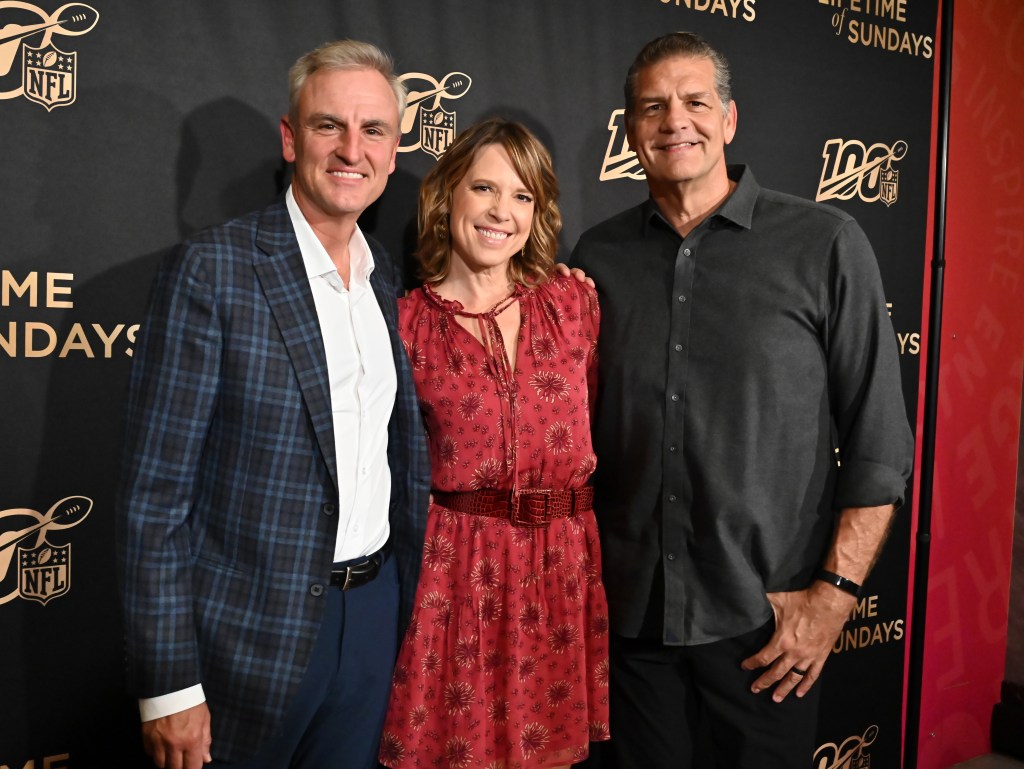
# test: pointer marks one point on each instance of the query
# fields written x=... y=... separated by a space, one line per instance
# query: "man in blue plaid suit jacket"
x=249 y=644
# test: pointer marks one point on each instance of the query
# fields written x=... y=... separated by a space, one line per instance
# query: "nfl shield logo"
x=437 y=130
x=44 y=572
x=50 y=75
x=889 y=185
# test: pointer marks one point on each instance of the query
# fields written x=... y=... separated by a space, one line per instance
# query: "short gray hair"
x=343 y=55
x=684 y=44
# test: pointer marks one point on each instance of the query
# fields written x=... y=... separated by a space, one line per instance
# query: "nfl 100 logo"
x=48 y=74
x=852 y=169
x=41 y=568
x=425 y=124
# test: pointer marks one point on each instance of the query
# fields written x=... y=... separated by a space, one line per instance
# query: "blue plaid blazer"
x=228 y=465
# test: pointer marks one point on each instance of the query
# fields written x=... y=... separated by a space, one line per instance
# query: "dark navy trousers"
x=336 y=718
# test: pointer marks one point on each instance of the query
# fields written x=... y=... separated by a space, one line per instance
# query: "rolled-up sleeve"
x=876 y=447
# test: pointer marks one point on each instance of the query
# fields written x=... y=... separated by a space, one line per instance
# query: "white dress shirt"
x=363 y=384
x=361 y=369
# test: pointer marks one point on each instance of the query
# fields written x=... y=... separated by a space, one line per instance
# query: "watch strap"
x=844 y=584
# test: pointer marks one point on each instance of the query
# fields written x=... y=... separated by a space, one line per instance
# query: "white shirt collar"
x=315 y=256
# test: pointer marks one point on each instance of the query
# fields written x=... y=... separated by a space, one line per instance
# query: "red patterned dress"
x=505 y=663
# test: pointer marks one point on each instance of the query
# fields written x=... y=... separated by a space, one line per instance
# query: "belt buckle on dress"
x=531 y=512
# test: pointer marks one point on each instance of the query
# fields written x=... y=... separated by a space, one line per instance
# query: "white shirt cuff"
x=152 y=708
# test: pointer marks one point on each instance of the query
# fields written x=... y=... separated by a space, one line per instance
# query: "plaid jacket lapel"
x=407 y=448
x=384 y=290
x=282 y=275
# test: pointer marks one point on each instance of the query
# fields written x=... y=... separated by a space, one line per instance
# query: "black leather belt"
x=359 y=573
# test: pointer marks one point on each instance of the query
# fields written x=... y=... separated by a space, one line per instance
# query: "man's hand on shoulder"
x=180 y=740
x=807 y=623
x=576 y=272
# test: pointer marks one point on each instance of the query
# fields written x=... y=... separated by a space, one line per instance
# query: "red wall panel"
x=981 y=363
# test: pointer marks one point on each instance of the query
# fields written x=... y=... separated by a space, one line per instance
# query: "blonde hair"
x=532 y=163
x=342 y=55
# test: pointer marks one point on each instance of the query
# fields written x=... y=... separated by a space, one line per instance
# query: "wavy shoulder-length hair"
x=532 y=163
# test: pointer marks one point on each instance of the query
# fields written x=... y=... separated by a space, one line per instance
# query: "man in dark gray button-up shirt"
x=751 y=434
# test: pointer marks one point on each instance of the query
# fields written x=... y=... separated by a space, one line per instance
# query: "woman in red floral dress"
x=505 y=662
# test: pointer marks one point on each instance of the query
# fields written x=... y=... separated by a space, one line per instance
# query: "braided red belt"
x=530 y=507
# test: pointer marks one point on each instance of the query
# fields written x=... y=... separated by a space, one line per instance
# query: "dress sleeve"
x=592 y=324
x=875 y=443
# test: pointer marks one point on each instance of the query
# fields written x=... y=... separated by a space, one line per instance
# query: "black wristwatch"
x=844 y=584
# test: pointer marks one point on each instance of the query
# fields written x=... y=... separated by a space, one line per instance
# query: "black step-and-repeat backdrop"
x=128 y=125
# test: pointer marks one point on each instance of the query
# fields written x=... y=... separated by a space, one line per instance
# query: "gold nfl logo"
x=44 y=571
x=437 y=131
x=50 y=76
x=889 y=185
